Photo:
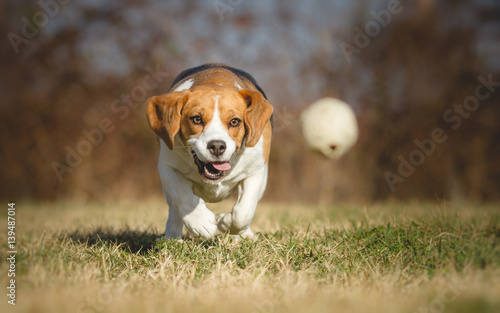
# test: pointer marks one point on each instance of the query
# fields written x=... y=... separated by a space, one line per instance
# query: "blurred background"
x=75 y=76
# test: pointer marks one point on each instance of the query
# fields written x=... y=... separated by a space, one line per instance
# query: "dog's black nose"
x=216 y=147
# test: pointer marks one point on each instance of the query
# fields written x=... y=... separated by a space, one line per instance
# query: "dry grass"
x=382 y=258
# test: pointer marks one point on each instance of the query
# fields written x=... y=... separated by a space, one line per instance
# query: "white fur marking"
x=185 y=85
x=215 y=126
x=216 y=108
x=214 y=130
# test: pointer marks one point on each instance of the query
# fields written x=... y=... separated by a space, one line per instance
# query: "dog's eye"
x=235 y=122
x=196 y=120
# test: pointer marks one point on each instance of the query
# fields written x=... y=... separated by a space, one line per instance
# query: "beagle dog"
x=215 y=126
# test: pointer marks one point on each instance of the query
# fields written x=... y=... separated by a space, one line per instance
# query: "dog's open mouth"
x=211 y=170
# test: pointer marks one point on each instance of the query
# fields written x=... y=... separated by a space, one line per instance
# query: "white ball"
x=329 y=127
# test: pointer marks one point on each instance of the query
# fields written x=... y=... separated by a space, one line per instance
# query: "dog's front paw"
x=201 y=223
x=247 y=234
x=225 y=224
x=224 y=221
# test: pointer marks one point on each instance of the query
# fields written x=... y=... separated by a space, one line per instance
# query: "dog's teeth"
x=209 y=174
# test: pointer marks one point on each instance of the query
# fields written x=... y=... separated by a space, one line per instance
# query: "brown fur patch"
x=257 y=115
x=202 y=103
x=163 y=113
x=232 y=106
x=219 y=77
x=268 y=133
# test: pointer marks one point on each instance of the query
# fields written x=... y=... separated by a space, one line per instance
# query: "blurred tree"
x=90 y=63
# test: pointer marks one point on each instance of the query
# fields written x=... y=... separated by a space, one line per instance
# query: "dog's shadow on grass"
x=129 y=240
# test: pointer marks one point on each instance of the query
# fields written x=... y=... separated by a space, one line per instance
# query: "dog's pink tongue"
x=222 y=166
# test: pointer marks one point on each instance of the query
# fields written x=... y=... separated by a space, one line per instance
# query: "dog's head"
x=213 y=123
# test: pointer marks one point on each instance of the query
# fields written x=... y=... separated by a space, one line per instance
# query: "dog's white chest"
x=213 y=192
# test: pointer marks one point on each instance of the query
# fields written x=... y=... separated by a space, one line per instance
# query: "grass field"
x=388 y=257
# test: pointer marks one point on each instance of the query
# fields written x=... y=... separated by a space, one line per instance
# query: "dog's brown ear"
x=164 y=114
x=257 y=115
